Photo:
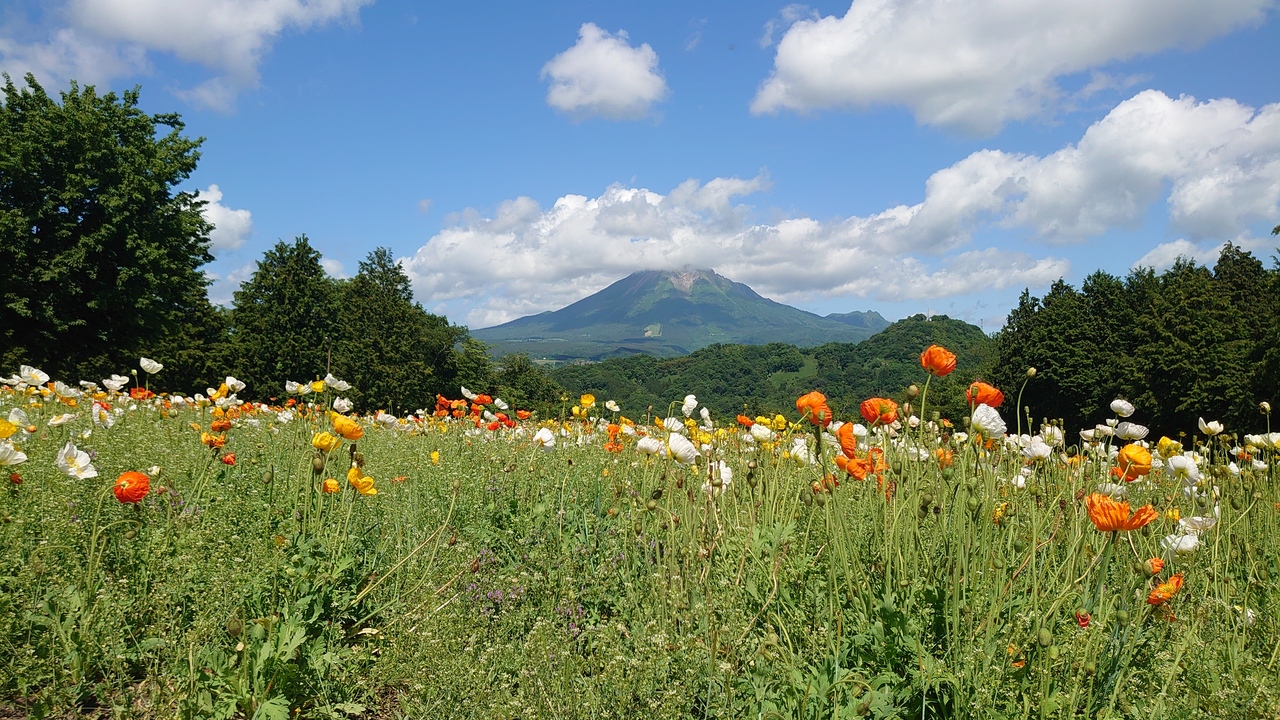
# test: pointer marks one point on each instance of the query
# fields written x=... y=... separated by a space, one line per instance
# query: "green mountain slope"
x=665 y=314
x=768 y=378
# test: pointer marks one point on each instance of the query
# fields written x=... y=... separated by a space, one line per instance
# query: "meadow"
x=194 y=555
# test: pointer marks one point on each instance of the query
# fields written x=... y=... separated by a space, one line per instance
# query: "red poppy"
x=980 y=393
x=938 y=360
x=138 y=393
x=131 y=486
x=483 y=400
x=879 y=410
x=15 y=478
x=229 y=459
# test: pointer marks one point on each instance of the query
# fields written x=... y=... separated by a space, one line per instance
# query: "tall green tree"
x=284 y=321
x=99 y=255
x=394 y=353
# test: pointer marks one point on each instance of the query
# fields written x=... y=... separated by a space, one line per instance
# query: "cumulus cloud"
x=230 y=227
x=109 y=38
x=334 y=268
x=222 y=289
x=976 y=65
x=603 y=76
x=1163 y=256
x=1215 y=164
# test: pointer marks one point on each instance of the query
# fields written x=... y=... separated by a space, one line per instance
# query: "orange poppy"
x=944 y=456
x=813 y=407
x=220 y=425
x=1165 y=591
x=848 y=441
x=938 y=360
x=131 y=486
x=980 y=393
x=1133 y=462
x=483 y=400
x=346 y=427
x=523 y=414
x=229 y=459
x=879 y=410
x=138 y=393
x=330 y=486
x=1154 y=565
x=745 y=421
x=1109 y=516
x=213 y=441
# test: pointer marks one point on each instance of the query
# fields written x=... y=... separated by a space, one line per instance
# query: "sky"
x=902 y=156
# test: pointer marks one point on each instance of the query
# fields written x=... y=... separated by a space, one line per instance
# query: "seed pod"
x=1235 y=503
x=130 y=534
x=317 y=465
x=1019 y=545
x=821 y=499
x=235 y=626
x=1122 y=617
x=806 y=497
x=973 y=504
x=651 y=505
x=751 y=478
x=1054 y=652
x=1044 y=637
x=270 y=475
x=926 y=499
x=922 y=513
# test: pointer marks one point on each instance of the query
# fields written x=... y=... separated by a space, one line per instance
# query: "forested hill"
x=731 y=379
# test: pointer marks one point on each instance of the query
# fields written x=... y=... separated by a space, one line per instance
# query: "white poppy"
x=335 y=384
x=115 y=383
x=544 y=438
x=101 y=416
x=1102 y=431
x=1259 y=465
x=62 y=419
x=18 y=417
x=611 y=406
x=681 y=449
x=724 y=473
x=1181 y=543
x=468 y=394
x=650 y=446
x=1037 y=450
x=705 y=414
x=342 y=405
x=987 y=421
x=1198 y=523
x=1210 y=428
x=1123 y=408
x=233 y=384
x=384 y=419
x=151 y=367
x=501 y=404
x=64 y=390
x=1053 y=435
x=1183 y=466
x=76 y=463
x=292 y=387
x=1087 y=435
x=1115 y=490
x=673 y=425
x=800 y=451
x=1131 y=431
x=690 y=404
x=761 y=433
x=32 y=376
x=10 y=455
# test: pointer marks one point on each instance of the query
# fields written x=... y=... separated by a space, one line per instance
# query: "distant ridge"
x=668 y=313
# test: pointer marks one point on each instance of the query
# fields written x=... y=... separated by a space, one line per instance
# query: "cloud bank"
x=975 y=66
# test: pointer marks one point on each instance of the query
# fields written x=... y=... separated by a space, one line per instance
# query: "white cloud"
x=110 y=38
x=602 y=75
x=334 y=268
x=977 y=65
x=424 y=205
x=1216 y=164
x=223 y=289
x=1163 y=256
x=230 y=227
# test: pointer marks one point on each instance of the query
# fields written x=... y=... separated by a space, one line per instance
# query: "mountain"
x=766 y=379
x=669 y=313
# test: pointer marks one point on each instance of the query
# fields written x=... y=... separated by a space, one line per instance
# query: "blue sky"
x=894 y=155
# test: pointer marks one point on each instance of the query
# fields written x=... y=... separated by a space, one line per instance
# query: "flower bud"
x=1265 y=407
x=1031 y=372
x=913 y=391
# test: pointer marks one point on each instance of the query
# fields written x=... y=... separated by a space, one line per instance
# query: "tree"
x=285 y=317
x=98 y=255
x=394 y=353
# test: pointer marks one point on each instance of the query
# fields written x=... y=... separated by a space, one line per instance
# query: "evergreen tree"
x=285 y=317
x=395 y=354
x=99 y=256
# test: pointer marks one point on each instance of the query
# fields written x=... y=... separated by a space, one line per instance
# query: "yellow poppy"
x=324 y=442
x=587 y=400
x=361 y=482
x=346 y=427
x=317 y=386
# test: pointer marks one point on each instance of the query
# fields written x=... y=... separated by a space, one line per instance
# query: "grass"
x=489 y=577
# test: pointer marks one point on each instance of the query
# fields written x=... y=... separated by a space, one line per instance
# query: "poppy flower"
x=745 y=421
x=813 y=407
x=1133 y=462
x=361 y=482
x=879 y=410
x=330 y=486
x=220 y=425
x=483 y=400
x=1165 y=591
x=151 y=367
x=324 y=442
x=523 y=414
x=346 y=427
x=229 y=459
x=1083 y=618
x=131 y=486
x=938 y=360
x=1154 y=565
x=138 y=393
x=1109 y=515
x=980 y=393
x=213 y=441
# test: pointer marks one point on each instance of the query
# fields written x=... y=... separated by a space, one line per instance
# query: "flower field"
x=196 y=555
